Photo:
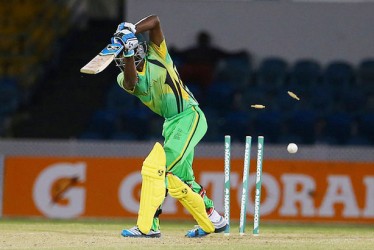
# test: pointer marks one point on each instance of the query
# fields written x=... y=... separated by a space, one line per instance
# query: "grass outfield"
x=89 y=234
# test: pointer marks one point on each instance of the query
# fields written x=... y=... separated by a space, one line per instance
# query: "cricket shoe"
x=220 y=224
x=136 y=233
x=197 y=232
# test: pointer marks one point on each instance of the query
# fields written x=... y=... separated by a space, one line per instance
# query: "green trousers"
x=182 y=133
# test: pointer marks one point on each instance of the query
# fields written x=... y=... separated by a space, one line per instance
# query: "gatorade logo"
x=60 y=187
x=58 y=190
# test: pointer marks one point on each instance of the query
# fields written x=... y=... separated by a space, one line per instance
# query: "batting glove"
x=128 y=53
x=127 y=39
x=126 y=25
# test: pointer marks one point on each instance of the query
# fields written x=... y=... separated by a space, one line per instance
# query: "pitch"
x=99 y=234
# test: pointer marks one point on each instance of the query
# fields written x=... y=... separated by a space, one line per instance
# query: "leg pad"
x=153 y=187
x=192 y=201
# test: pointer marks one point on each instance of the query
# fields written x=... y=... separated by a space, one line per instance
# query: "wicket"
x=244 y=196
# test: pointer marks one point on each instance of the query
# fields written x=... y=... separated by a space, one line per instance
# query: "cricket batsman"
x=148 y=72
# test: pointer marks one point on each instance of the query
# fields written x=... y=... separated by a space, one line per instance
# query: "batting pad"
x=153 y=187
x=192 y=201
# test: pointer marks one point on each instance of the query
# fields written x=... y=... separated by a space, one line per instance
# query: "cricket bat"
x=103 y=59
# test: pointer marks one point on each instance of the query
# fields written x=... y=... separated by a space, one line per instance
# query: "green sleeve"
x=139 y=89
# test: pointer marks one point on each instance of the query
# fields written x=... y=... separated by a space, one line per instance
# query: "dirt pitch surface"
x=89 y=234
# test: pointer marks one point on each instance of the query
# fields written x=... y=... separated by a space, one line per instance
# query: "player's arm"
x=129 y=71
x=130 y=42
x=151 y=24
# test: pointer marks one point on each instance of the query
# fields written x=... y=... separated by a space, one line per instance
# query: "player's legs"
x=218 y=221
x=185 y=172
x=181 y=134
x=152 y=193
x=181 y=137
x=192 y=201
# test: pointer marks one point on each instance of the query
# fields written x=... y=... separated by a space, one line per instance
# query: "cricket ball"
x=292 y=148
